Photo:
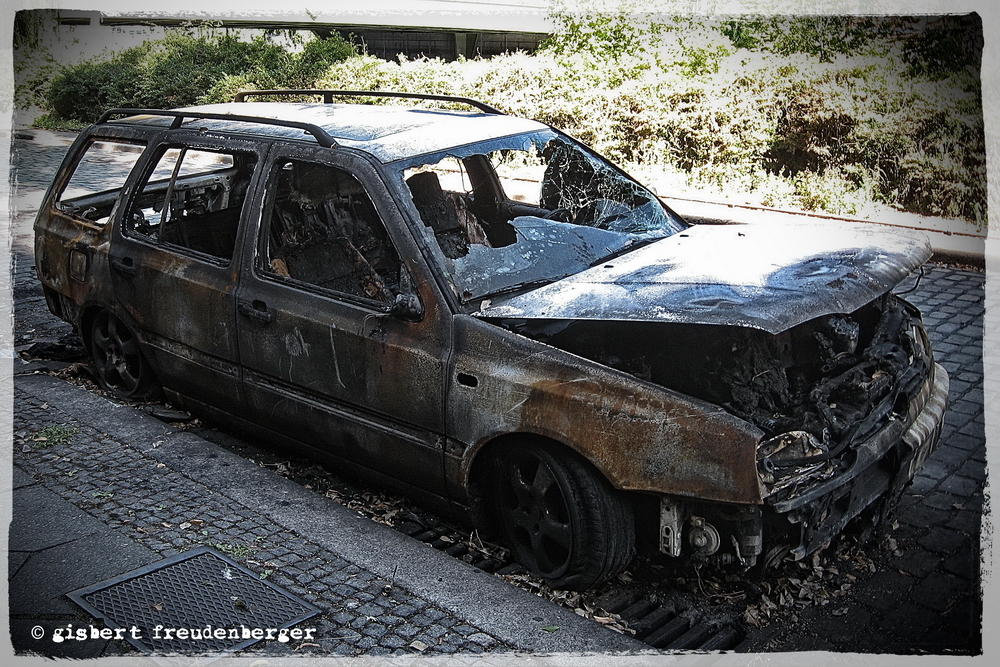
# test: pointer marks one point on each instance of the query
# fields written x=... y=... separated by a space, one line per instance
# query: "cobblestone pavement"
x=923 y=594
x=165 y=511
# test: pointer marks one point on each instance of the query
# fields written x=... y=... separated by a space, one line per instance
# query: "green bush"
x=183 y=69
x=823 y=113
x=83 y=92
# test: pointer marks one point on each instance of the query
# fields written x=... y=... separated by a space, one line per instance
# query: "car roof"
x=388 y=132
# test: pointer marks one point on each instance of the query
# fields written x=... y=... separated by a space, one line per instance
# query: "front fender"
x=641 y=436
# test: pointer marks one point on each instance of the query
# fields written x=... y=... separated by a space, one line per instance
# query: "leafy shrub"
x=825 y=113
x=183 y=69
x=85 y=91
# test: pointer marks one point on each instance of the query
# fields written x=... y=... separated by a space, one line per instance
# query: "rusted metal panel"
x=769 y=277
x=641 y=436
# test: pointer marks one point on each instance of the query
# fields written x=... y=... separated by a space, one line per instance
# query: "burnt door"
x=325 y=360
x=174 y=267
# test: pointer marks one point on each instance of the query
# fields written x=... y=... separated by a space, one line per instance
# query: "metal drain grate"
x=217 y=604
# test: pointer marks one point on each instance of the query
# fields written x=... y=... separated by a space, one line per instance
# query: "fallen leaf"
x=418 y=645
x=303 y=645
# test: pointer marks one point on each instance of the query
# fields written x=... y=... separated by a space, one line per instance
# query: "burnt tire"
x=559 y=516
x=119 y=363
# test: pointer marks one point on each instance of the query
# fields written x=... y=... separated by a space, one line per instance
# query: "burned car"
x=481 y=313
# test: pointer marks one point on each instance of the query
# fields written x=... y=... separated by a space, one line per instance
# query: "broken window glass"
x=324 y=231
x=529 y=209
x=97 y=180
x=192 y=199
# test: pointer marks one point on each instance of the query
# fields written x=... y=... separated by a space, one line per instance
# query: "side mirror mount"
x=407 y=307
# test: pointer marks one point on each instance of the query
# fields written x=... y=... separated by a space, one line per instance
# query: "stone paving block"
x=938 y=591
x=951 y=458
x=960 y=486
x=923 y=516
x=374 y=629
x=943 y=501
x=393 y=641
x=967 y=521
x=942 y=540
x=907 y=621
x=957 y=419
x=965 y=614
x=482 y=639
x=917 y=563
x=965 y=442
x=922 y=484
x=964 y=563
x=966 y=407
x=407 y=630
x=934 y=468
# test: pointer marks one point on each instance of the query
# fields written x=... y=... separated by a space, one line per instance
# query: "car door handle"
x=124 y=266
x=255 y=310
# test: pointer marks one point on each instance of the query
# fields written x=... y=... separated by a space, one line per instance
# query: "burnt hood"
x=766 y=276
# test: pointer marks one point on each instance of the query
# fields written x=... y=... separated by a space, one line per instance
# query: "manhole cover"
x=199 y=601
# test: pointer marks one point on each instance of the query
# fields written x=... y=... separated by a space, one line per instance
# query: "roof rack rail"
x=321 y=136
x=328 y=96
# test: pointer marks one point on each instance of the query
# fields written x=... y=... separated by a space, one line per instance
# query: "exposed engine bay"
x=817 y=392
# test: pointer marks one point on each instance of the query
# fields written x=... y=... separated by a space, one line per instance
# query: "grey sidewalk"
x=123 y=491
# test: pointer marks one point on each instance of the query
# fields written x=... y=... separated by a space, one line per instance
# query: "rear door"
x=324 y=359
x=73 y=220
x=173 y=261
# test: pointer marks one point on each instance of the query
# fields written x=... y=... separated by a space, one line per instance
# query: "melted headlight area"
x=820 y=392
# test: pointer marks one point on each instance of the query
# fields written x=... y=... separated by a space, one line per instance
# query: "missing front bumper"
x=883 y=466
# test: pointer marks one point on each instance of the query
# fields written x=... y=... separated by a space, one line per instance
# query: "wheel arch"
x=89 y=313
x=480 y=459
x=575 y=529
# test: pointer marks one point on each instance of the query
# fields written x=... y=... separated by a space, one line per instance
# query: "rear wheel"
x=560 y=517
x=118 y=361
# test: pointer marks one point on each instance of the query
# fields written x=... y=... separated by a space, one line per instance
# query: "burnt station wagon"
x=478 y=311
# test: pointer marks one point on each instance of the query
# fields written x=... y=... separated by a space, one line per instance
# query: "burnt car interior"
x=494 y=210
x=324 y=231
x=103 y=162
x=192 y=199
x=477 y=209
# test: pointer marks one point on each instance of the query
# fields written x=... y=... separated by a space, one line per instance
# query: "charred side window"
x=97 y=180
x=192 y=199
x=529 y=209
x=323 y=230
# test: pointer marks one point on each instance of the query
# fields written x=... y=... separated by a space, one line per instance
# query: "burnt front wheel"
x=560 y=517
x=121 y=368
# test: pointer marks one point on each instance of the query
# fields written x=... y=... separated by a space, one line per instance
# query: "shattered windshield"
x=527 y=210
